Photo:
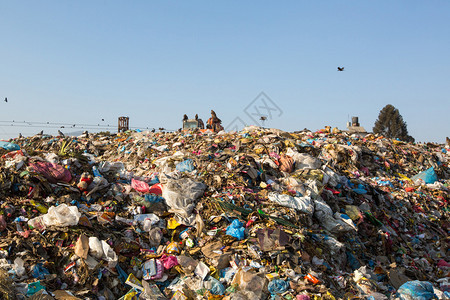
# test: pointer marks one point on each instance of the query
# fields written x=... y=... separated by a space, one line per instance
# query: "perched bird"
x=153 y=130
x=20 y=135
x=41 y=133
x=161 y=128
x=340 y=69
x=60 y=133
x=6 y=99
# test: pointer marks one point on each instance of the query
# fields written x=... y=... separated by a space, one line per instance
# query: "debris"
x=255 y=214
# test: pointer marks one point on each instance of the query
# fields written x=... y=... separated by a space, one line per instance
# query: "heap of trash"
x=255 y=214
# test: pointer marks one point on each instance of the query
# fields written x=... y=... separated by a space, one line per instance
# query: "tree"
x=391 y=125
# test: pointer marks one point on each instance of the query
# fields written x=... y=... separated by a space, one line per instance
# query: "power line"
x=58 y=125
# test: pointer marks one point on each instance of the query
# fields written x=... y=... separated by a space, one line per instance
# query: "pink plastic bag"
x=140 y=186
x=52 y=172
x=169 y=261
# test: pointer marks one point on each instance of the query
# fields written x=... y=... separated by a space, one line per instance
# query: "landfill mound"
x=256 y=214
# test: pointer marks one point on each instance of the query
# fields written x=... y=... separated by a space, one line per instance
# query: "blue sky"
x=83 y=61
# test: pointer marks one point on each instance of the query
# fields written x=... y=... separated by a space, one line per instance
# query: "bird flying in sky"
x=340 y=69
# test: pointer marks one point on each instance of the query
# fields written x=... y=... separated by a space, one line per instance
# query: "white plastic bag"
x=62 y=215
x=109 y=255
x=95 y=247
x=18 y=267
x=302 y=204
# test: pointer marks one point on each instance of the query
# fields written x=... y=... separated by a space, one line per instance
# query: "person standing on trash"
x=201 y=125
x=214 y=122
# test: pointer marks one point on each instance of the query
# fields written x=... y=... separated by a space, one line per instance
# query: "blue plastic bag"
x=428 y=176
x=152 y=198
x=236 y=229
x=39 y=272
x=361 y=189
x=185 y=166
x=217 y=287
x=417 y=290
x=9 y=146
x=34 y=287
x=277 y=286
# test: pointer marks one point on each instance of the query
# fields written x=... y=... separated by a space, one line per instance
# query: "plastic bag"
x=323 y=213
x=185 y=166
x=147 y=225
x=109 y=255
x=38 y=271
x=18 y=267
x=236 y=229
x=95 y=247
x=34 y=287
x=151 y=199
x=249 y=282
x=9 y=146
x=169 y=261
x=140 y=186
x=214 y=286
x=181 y=195
x=302 y=204
x=428 y=176
x=303 y=160
x=62 y=215
x=416 y=290
x=277 y=286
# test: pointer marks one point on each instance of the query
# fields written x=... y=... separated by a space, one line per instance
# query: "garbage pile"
x=256 y=214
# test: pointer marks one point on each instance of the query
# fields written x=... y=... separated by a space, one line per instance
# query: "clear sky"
x=83 y=61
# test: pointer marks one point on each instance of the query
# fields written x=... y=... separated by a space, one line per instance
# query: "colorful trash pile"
x=256 y=214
